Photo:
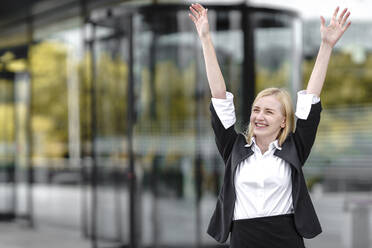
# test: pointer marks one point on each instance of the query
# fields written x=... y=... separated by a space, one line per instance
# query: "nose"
x=260 y=116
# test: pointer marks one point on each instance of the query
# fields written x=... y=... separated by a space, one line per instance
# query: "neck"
x=263 y=143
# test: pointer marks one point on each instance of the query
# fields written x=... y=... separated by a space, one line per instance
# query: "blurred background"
x=105 y=137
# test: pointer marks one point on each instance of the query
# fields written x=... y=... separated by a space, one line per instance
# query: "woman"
x=264 y=201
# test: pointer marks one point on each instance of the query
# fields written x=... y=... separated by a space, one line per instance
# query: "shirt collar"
x=274 y=144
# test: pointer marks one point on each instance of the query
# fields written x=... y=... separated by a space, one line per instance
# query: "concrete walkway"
x=331 y=208
x=15 y=235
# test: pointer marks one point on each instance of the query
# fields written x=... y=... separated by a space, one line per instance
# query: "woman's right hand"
x=199 y=16
x=215 y=79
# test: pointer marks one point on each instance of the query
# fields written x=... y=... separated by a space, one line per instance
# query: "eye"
x=256 y=110
x=270 y=112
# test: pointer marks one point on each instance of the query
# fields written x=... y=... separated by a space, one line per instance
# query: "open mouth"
x=260 y=125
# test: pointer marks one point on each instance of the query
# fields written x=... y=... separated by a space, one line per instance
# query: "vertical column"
x=118 y=178
x=131 y=118
x=296 y=75
x=84 y=125
x=7 y=189
x=29 y=134
x=21 y=104
x=156 y=228
x=11 y=151
x=73 y=110
x=93 y=142
x=249 y=73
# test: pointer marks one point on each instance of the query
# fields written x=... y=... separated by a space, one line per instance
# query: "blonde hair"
x=284 y=98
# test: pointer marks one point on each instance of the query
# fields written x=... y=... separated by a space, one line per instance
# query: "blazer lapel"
x=240 y=154
x=289 y=153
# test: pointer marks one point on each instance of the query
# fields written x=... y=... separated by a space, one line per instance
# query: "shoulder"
x=240 y=142
x=241 y=139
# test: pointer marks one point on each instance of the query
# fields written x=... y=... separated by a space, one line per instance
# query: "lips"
x=260 y=125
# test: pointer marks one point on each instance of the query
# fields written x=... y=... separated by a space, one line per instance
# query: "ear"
x=283 y=124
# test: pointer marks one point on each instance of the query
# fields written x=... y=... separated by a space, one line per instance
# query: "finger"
x=195 y=13
x=322 y=21
x=192 y=18
x=345 y=18
x=199 y=7
x=335 y=13
x=346 y=26
x=205 y=12
x=342 y=15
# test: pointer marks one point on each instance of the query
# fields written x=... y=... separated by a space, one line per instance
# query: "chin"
x=262 y=134
x=259 y=134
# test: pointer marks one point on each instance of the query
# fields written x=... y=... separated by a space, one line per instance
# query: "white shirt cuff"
x=304 y=102
x=225 y=110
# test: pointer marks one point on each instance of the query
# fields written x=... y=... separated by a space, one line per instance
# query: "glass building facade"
x=105 y=120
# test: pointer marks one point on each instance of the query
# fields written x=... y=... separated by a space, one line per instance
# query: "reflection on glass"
x=174 y=144
x=7 y=136
x=165 y=128
x=273 y=50
x=52 y=67
x=49 y=106
x=178 y=170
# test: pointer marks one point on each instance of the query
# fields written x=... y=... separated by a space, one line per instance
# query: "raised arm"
x=215 y=79
x=330 y=35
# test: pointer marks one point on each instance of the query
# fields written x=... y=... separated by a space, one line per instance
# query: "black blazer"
x=295 y=150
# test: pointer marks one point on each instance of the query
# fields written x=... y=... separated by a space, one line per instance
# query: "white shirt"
x=263 y=183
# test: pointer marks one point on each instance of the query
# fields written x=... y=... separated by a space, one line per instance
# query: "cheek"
x=251 y=119
x=276 y=120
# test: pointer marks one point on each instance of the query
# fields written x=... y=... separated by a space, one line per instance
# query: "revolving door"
x=155 y=170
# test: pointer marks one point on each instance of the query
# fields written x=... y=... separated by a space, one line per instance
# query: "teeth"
x=260 y=125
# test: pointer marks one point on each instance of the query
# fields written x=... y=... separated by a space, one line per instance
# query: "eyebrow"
x=257 y=107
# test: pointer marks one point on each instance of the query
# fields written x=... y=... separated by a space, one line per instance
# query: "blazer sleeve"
x=305 y=133
x=224 y=138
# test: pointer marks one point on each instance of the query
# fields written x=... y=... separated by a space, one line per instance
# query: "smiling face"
x=267 y=118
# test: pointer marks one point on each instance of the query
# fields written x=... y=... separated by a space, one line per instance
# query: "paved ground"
x=16 y=235
x=13 y=235
x=331 y=209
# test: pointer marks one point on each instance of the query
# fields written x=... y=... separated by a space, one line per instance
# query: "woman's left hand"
x=332 y=33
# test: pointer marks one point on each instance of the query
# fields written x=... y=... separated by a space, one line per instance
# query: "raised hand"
x=199 y=16
x=215 y=79
x=332 y=33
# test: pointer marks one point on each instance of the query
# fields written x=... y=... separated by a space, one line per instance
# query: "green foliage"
x=173 y=96
x=112 y=85
x=6 y=111
x=49 y=97
x=345 y=130
x=346 y=83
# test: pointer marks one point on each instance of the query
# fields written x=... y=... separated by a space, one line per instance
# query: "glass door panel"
x=110 y=51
